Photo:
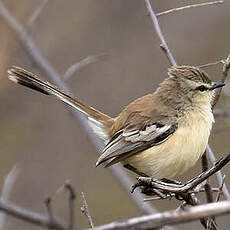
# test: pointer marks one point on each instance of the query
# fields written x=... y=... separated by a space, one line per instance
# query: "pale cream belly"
x=177 y=154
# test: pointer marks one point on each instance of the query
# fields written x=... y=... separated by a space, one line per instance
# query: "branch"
x=7 y=189
x=81 y=64
x=163 y=45
x=158 y=220
x=85 y=211
x=30 y=216
x=72 y=197
x=36 y=13
x=47 y=202
x=225 y=70
x=188 y=7
x=35 y=54
x=219 y=175
x=182 y=188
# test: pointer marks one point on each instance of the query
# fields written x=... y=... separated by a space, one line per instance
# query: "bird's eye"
x=202 y=88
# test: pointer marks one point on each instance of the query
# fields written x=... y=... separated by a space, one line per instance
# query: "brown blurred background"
x=38 y=132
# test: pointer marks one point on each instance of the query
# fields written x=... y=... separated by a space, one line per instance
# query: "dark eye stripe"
x=202 y=88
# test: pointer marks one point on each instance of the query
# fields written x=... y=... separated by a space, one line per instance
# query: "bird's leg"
x=133 y=169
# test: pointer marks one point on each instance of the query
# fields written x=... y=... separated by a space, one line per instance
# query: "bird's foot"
x=163 y=189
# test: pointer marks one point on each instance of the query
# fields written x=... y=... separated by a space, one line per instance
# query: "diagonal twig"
x=175 y=10
x=85 y=211
x=7 y=189
x=220 y=190
x=219 y=175
x=164 y=45
x=37 y=13
x=81 y=64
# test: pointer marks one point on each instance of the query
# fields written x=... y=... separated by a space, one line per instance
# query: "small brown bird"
x=161 y=134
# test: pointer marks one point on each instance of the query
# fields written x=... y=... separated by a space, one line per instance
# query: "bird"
x=161 y=134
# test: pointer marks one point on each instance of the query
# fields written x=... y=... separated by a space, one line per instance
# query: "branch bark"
x=156 y=221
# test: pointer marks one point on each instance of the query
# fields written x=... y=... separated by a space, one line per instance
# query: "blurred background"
x=39 y=134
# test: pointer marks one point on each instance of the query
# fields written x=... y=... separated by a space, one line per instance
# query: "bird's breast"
x=181 y=151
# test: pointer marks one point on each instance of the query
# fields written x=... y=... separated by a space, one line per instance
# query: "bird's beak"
x=216 y=85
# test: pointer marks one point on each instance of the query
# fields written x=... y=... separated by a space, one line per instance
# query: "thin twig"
x=220 y=191
x=47 y=202
x=30 y=216
x=163 y=45
x=35 y=54
x=225 y=70
x=219 y=175
x=7 y=190
x=211 y=222
x=188 y=7
x=158 y=220
x=81 y=64
x=37 y=13
x=72 y=197
x=85 y=211
x=207 y=186
x=210 y=64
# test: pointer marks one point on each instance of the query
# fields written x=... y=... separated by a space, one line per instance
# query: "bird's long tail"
x=99 y=121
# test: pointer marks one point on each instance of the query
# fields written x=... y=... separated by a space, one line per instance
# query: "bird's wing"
x=134 y=138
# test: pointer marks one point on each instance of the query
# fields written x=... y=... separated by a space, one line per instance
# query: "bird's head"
x=187 y=84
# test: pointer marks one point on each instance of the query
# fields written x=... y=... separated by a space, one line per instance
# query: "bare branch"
x=182 y=188
x=37 y=13
x=207 y=186
x=158 y=220
x=7 y=189
x=219 y=175
x=188 y=7
x=81 y=64
x=220 y=191
x=210 y=222
x=51 y=73
x=30 y=216
x=211 y=63
x=225 y=70
x=47 y=202
x=85 y=211
x=163 y=45
x=72 y=196
x=169 y=196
